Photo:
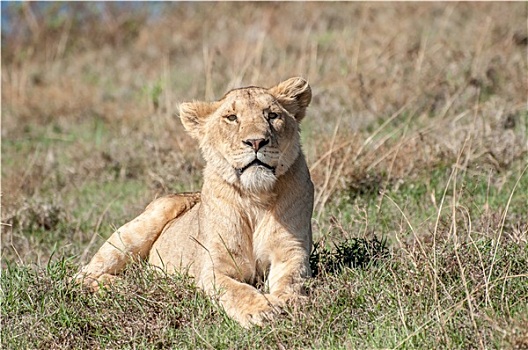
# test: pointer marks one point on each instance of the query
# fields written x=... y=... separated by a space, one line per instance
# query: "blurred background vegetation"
x=90 y=91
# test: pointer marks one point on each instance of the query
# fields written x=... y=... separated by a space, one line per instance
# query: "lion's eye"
x=272 y=115
x=231 y=117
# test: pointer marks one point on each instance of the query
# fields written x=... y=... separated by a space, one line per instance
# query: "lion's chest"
x=262 y=232
x=247 y=243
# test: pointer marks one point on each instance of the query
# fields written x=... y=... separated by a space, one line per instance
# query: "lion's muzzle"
x=255 y=162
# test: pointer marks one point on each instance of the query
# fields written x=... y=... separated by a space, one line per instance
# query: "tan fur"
x=249 y=224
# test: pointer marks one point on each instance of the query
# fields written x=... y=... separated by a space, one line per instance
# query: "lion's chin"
x=258 y=179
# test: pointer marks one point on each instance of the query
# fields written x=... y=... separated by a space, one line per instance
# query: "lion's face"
x=251 y=139
x=251 y=136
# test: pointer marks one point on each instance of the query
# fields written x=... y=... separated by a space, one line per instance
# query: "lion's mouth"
x=256 y=162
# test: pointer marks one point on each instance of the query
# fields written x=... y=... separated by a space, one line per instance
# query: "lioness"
x=251 y=222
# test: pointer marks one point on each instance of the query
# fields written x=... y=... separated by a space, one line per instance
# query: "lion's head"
x=251 y=136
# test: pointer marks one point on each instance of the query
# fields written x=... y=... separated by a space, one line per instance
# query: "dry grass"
x=417 y=133
x=461 y=64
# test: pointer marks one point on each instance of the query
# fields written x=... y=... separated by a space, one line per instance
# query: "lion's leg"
x=288 y=270
x=224 y=277
x=134 y=239
x=287 y=275
x=243 y=302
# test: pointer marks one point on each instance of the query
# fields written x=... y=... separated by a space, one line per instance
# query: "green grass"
x=418 y=293
x=385 y=305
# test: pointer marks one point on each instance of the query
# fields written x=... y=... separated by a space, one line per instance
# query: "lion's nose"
x=256 y=144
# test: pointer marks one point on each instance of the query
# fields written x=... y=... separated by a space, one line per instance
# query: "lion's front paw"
x=263 y=308
x=93 y=283
x=292 y=298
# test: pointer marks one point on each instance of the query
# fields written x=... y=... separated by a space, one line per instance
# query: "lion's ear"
x=193 y=116
x=293 y=94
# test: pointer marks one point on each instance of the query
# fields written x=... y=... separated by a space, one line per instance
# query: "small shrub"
x=352 y=253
